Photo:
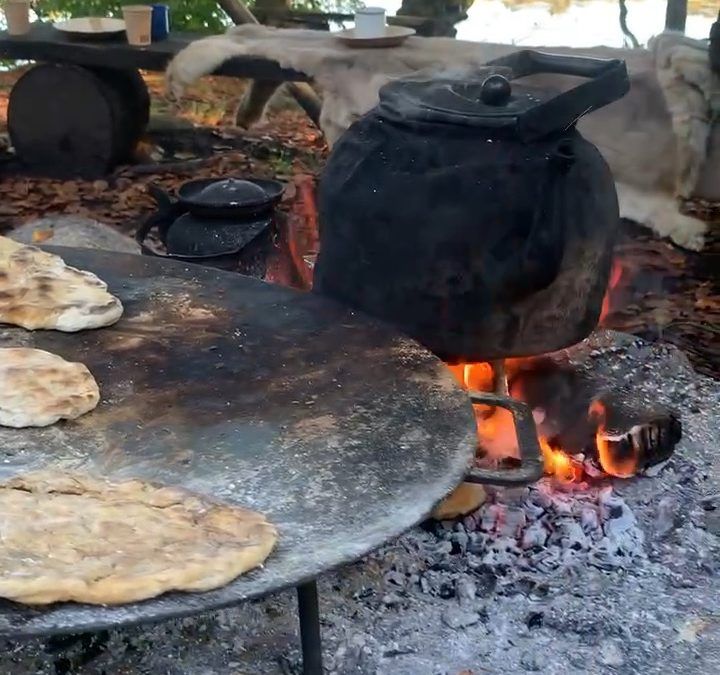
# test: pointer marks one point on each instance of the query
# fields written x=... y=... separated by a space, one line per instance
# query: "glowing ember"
x=474 y=376
x=558 y=464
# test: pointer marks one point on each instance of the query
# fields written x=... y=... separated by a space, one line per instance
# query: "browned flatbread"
x=38 y=388
x=39 y=291
x=68 y=537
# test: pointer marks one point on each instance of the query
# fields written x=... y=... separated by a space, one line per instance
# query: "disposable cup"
x=17 y=16
x=138 y=24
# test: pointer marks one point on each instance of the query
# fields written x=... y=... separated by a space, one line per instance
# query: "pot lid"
x=490 y=101
x=493 y=102
x=230 y=192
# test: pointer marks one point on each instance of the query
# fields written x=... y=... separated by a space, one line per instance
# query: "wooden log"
x=715 y=46
x=67 y=121
x=132 y=104
x=579 y=413
x=634 y=440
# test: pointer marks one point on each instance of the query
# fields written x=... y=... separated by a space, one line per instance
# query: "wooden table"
x=81 y=110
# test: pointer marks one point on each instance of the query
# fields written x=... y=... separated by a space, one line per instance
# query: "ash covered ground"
x=614 y=576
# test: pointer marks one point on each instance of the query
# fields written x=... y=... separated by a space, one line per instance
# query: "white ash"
x=553 y=527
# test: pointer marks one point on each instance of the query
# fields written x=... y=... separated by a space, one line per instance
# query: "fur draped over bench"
x=662 y=140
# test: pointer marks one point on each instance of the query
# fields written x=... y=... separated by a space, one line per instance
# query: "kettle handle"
x=608 y=82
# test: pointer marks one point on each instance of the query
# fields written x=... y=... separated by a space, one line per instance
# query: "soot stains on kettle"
x=504 y=248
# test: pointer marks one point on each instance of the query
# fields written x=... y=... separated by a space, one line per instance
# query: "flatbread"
x=71 y=537
x=38 y=388
x=39 y=291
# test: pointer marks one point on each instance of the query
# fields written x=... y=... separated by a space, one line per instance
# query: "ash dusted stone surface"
x=384 y=615
x=257 y=395
x=77 y=232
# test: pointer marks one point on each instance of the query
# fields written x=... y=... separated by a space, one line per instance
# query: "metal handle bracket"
x=531 y=463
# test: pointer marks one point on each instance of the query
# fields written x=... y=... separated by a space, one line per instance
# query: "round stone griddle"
x=341 y=431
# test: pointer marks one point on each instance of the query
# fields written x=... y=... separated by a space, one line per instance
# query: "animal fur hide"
x=655 y=139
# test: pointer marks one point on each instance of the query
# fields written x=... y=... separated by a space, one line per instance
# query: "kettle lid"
x=498 y=102
x=492 y=102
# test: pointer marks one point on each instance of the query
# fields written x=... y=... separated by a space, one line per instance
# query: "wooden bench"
x=81 y=110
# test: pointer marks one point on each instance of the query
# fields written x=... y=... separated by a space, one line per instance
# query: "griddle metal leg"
x=309 y=614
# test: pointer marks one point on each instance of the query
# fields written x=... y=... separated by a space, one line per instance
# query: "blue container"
x=160 y=22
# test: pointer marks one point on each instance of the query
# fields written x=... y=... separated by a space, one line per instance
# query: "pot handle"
x=163 y=198
x=608 y=82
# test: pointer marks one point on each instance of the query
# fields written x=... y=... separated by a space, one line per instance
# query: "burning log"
x=629 y=442
x=587 y=424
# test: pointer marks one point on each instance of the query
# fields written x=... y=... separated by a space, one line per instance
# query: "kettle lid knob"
x=495 y=90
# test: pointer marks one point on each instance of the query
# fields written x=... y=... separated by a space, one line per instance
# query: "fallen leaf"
x=38 y=236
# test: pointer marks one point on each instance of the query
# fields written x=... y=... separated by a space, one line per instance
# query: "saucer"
x=91 y=27
x=392 y=37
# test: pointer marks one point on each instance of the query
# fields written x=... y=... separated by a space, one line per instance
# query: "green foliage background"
x=201 y=16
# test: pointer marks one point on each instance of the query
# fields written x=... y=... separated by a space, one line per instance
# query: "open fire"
x=497 y=439
x=582 y=431
x=602 y=451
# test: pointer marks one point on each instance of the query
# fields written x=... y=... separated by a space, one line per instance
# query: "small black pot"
x=236 y=245
x=193 y=235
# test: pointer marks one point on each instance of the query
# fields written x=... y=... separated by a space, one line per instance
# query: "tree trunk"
x=676 y=15
x=715 y=46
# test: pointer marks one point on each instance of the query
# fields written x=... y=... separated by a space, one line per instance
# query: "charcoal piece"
x=512 y=523
x=569 y=535
x=534 y=620
x=589 y=519
x=465 y=590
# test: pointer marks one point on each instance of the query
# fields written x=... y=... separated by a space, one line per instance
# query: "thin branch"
x=624 y=27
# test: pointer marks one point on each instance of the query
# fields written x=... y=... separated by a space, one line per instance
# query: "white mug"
x=370 y=22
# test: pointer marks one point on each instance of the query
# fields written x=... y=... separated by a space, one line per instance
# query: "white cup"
x=370 y=22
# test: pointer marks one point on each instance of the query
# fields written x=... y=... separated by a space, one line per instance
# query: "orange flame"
x=496 y=431
x=474 y=376
x=611 y=460
x=558 y=464
x=616 y=274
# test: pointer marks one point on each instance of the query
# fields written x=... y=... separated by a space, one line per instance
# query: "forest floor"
x=660 y=292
